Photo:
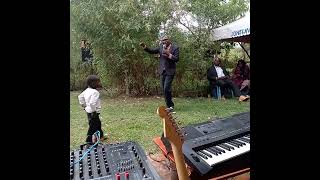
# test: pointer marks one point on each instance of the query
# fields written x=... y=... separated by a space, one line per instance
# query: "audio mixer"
x=120 y=161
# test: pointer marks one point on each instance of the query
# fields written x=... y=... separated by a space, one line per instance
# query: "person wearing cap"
x=169 y=56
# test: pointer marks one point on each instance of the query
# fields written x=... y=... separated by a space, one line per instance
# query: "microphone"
x=164 y=46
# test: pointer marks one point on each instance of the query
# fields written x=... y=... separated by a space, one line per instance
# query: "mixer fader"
x=121 y=161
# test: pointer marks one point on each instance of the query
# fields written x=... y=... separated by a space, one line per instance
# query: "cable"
x=98 y=134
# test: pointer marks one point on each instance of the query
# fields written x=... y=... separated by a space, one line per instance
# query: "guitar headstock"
x=170 y=127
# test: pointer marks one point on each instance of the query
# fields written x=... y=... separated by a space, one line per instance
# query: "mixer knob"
x=126 y=175
x=107 y=169
x=135 y=154
x=140 y=164
x=117 y=176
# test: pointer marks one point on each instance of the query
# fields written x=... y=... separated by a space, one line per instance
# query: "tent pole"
x=244 y=50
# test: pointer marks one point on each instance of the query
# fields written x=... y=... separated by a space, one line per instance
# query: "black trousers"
x=166 y=82
x=245 y=91
x=94 y=125
x=227 y=83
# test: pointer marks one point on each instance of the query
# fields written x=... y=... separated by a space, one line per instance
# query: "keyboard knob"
x=143 y=171
x=195 y=158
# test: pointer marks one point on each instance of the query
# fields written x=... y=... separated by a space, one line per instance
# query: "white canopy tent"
x=237 y=31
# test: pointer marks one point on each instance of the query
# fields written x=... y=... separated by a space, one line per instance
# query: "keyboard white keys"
x=227 y=154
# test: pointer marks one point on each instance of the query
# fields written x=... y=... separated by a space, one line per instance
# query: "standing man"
x=86 y=52
x=169 y=56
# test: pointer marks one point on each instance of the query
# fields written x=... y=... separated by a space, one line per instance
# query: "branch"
x=186 y=27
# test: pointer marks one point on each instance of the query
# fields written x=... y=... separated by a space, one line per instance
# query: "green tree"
x=116 y=27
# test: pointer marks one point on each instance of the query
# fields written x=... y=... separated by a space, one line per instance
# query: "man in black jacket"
x=169 y=56
x=219 y=76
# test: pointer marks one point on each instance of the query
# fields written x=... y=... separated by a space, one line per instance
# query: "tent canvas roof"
x=237 y=31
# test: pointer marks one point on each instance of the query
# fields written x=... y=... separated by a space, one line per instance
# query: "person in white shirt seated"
x=90 y=101
x=219 y=76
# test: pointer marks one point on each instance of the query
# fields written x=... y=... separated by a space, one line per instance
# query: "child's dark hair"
x=93 y=81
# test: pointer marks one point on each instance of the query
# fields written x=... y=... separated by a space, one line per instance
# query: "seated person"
x=241 y=77
x=240 y=73
x=218 y=76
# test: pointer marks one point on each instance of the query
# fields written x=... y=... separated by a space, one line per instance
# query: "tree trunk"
x=126 y=81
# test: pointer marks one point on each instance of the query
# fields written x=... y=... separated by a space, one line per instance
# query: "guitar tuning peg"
x=178 y=132
x=175 y=125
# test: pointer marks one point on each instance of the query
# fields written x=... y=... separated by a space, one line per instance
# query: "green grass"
x=126 y=118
